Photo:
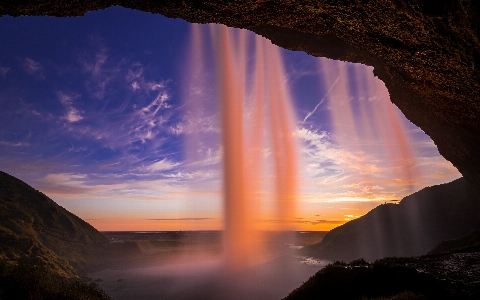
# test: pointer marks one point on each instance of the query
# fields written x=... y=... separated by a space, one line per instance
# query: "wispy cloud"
x=136 y=81
x=197 y=122
x=320 y=222
x=193 y=176
x=435 y=168
x=13 y=144
x=308 y=222
x=205 y=156
x=137 y=123
x=159 y=102
x=32 y=67
x=148 y=116
x=72 y=114
x=4 y=71
x=345 y=176
x=106 y=186
x=159 y=166
x=320 y=151
x=65 y=184
x=100 y=72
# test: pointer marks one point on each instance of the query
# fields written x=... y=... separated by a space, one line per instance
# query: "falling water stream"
x=241 y=77
x=242 y=144
x=257 y=114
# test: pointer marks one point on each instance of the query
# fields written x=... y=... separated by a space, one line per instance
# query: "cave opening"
x=117 y=135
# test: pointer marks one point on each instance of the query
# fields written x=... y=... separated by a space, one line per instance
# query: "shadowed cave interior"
x=426 y=53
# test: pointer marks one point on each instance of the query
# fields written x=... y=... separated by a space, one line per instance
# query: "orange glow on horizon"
x=154 y=225
x=214 y=224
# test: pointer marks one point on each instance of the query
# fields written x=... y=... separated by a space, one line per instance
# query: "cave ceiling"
x=427 y=52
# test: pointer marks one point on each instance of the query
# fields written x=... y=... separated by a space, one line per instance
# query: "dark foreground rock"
x=468 y=243
x=413 y=227
x=43 y=247
x=451 y=276
x=26 y=281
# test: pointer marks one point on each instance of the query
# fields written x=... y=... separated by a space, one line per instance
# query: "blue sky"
x=93 y=112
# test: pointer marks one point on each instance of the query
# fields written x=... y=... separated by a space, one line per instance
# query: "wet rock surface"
x=449 y=276
x=461 y=271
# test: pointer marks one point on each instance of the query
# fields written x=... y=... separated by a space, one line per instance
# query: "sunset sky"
x=93 y=113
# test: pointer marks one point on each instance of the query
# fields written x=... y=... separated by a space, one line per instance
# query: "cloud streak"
x=32 y=67
x=72 y=114
x=321 y=101
x=159 y=166
x=99 y=74
x=4 y=71
x=320 y=222
x=13 y=144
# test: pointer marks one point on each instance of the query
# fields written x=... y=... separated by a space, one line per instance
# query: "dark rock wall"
x=427 y=52
x=414 y=227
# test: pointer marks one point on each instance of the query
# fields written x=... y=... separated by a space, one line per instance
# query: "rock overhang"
x=427 y=52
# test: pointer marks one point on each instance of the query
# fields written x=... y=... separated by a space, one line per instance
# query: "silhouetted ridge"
x=468 y=243
x=413 y=227
x=33 y=228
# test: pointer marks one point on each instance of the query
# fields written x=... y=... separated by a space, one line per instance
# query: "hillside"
x=34 y=229
x=468 y=243
x=452 y=276
x=411 y=228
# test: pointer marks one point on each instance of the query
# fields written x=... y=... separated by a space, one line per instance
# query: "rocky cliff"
x=415 y=226
x=427 y=52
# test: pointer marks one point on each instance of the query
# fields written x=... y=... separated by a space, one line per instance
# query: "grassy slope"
x=39 y=243
x=33 y=228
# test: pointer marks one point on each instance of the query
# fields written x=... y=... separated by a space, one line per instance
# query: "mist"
x=197 y=270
